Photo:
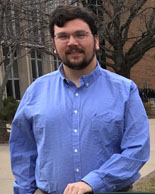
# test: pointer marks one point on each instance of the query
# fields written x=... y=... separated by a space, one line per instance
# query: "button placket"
x=76 y=152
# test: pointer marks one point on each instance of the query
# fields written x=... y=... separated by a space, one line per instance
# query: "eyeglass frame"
x=74 y=35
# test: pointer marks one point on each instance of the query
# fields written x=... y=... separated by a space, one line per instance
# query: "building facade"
x=30 y=41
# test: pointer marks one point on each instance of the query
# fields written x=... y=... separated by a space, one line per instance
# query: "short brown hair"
x=65 y=13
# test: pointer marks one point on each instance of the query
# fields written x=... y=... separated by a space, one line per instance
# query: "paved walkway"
x=6 y=178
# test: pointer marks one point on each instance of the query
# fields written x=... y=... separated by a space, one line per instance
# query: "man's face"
x=75 y=44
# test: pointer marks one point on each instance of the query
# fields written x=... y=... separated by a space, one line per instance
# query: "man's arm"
x=121 y=170
x=23 y=151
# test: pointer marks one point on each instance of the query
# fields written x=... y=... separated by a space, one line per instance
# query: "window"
x=56 y=62
x=94 y=5
x=12 y=86
x=36 y=61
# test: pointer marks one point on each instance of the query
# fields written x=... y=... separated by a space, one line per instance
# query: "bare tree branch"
x=117 y=22
x=23 y=24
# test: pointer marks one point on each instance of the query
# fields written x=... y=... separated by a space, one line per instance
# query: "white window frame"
x=36 y=60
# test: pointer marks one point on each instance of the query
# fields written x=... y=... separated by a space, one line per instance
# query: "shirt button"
x=75 y=111
x=77 y=170
x=75 y=150
x=87 y=84
x=76 y=94
x=75 y=130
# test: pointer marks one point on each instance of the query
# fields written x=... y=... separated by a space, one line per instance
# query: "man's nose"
x=72 y=40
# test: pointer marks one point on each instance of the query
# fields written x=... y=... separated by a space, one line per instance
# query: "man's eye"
x=80 y=36
x=63 y=37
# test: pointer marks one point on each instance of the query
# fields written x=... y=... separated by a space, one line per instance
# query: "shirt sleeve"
x=23 y=151
x=121 y=169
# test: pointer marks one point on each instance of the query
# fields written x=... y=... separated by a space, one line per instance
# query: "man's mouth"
x=74 y=51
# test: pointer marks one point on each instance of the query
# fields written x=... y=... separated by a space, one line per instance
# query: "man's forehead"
x=72 y=25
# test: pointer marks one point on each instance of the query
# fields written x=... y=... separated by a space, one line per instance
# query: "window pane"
x=9 y=88
x=17 y=89
x=32 y=54
x=6 y=62
x=15 y=70
x=93 y=2
x=38 y=55
x=99 y=2
x=10 y=73
x=39 y=68
x=34 y=73
x=5 y=51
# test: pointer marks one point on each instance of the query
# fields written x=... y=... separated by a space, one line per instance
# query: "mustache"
x=74 y=49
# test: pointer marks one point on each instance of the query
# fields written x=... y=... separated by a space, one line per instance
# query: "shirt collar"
x=60 y=69
x=86 y=79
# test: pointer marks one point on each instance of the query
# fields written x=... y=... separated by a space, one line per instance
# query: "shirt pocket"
x=107 y=129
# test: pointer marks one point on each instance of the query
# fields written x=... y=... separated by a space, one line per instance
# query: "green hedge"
x=7 y=113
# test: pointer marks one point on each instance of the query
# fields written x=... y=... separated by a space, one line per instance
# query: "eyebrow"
x=71 y=33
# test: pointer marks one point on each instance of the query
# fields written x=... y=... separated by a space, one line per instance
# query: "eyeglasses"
x=78 y=36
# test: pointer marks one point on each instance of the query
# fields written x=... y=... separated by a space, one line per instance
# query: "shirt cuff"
x=97 y=183
x=22 y=190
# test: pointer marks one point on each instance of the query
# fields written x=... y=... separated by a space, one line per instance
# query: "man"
x=80 y=129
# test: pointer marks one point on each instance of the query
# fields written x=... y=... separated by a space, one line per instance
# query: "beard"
x=75 y=63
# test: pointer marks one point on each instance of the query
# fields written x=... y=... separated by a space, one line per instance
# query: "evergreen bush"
x=7 y=113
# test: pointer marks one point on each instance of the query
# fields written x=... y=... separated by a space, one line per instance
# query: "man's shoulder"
x=44 y=81
x=114 y=77
x=51 y=75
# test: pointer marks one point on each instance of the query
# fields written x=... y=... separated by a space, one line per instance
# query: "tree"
x=23 y=25
x=128 y=30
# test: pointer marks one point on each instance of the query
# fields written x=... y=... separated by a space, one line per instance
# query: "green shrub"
x=9 y=108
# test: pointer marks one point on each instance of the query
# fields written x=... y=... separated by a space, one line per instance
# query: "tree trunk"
x=124 y=71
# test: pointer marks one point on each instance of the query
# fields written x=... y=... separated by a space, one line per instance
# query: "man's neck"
x=74 y=75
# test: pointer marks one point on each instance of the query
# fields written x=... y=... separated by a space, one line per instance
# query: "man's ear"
x=97 y=42
x=54 y=49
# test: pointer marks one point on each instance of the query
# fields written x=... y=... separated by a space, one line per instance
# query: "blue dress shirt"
x=97 y=133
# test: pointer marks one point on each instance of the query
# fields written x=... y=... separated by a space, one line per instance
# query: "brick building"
x=143 y=73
